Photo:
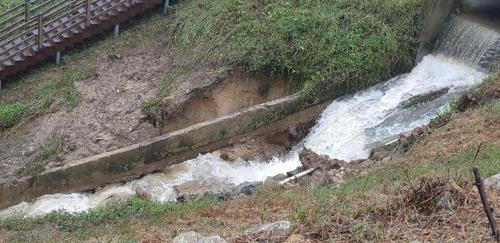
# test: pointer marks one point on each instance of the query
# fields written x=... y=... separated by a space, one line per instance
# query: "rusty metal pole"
x=40 y=32
x=486 y=205
x=27 y=10
x=87 y=13
x=27 y=13
x=166 y=6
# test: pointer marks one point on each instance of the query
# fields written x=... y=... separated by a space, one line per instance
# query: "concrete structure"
x=480 y=5
x=438 y=11
x=134 y=161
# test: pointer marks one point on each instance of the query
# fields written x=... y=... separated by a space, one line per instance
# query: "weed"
x=11 y=114
x=51 y=147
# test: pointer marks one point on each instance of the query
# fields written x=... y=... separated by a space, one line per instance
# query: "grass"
x=328 y=48
x=51 y=147
x=59 y=85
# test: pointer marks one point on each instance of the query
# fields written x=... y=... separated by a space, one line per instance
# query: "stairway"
x=26 y=41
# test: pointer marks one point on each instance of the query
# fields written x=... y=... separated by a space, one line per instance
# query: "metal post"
x=0 y=84
x=27 y=10
x=484 y=199
x=40 y=31
x=58 y=58
x=87 y=13
x=166 y=5
x=116 y=31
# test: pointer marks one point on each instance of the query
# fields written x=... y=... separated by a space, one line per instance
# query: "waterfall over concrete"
x=465 y=40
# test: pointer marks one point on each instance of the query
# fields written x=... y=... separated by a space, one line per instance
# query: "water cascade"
x=465 y=40
x=348 y=129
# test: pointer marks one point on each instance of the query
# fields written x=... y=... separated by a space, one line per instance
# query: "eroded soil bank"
x=110 y=113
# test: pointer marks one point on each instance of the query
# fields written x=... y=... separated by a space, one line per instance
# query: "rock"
x=295 y=172
x=324 y=178
x=213 y=239
x=247 y=188
x=276 y=229
x=30 y=151
x=273 y=181
x=251 y=149
x=310 y=159
x=381 y=153
x=423 y=98
x=493 y=182
x=297 y=239
x=445 y=203
x=194 y=237
x=202 y=188
x=142 y=193
x=114 y=56
x=188 y=237
x=71 y=146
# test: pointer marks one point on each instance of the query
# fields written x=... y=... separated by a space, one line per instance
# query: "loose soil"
x=109 y=115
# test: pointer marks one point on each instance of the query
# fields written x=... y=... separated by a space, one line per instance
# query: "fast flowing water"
x=348 y=129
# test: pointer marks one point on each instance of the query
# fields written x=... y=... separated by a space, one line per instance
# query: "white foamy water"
x=208 y=168
x=347 y=130
x=354 y=124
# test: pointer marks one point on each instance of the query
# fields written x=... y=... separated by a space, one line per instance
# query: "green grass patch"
x=11 y=114
x=119 y=214
x=322 y=42
x=58 y=86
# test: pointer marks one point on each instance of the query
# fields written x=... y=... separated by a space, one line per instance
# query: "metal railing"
x=31 y=24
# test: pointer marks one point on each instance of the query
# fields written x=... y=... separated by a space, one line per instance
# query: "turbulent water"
x=348 y=129
x=353 y=125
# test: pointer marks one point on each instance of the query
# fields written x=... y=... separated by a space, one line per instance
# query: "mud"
x=238 y=90
x=109 y=115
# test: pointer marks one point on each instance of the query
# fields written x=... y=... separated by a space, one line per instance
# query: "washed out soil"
x=110 y=113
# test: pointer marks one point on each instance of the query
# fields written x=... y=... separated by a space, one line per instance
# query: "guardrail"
x=29 y=22
x=43 y=28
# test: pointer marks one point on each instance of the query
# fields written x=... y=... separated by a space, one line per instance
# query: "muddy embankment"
x=235 y=110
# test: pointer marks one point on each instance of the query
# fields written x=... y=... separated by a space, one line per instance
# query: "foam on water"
x=347 y=130
x=354 y=124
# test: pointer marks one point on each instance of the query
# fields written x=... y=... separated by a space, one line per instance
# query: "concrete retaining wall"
x=436 y=13
x=143 y=158
x=480 y=5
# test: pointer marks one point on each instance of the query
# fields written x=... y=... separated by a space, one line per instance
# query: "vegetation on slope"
x=341 y=45
x=393 y=202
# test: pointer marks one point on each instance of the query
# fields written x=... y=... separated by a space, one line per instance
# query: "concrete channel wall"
x=480 y=5
x=144 y=158
x=436 y=12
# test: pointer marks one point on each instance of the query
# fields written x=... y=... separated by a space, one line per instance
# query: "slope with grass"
x=107 y=92
x=398 y=201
